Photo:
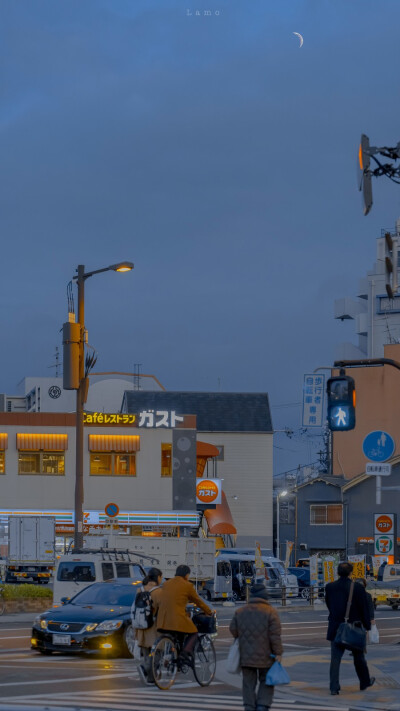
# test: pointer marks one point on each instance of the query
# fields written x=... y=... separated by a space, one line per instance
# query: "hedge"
x=25 y=590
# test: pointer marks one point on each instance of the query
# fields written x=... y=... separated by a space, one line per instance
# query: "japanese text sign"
x=313 y=399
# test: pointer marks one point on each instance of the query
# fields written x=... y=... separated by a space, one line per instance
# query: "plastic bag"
x=373 y=635
x=233 y=661
x=277 y=675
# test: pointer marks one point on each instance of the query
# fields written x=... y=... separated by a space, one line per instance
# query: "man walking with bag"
x=346 y=601
x=258 y=628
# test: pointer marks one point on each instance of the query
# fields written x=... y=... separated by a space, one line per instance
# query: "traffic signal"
x=341 y=403
x=364 y=173
x=390 y=265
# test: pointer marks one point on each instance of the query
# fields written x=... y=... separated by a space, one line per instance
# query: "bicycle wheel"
x=204 y=660
x=164 y=657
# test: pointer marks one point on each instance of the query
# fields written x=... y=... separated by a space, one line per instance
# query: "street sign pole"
x=378 y=490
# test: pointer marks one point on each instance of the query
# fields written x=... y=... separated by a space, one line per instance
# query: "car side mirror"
x=64 y=600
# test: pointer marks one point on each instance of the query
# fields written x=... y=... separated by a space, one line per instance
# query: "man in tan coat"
x=258 y=627
x=176 y=593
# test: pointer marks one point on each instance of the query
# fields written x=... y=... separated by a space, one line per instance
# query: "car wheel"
x=47 y=652
x=129 y=641
x=305 y=593
x=395 y=607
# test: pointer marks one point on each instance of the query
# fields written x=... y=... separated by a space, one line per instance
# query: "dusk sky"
x=219 y=157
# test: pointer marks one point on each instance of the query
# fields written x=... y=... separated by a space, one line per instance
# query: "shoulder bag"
x=352 y=635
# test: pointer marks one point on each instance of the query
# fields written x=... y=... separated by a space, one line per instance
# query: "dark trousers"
x=360 y=665
x=256 y=700
x=147 y=663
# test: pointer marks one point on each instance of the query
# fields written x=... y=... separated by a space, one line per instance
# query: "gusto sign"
x=384 y=523
x=208 y=491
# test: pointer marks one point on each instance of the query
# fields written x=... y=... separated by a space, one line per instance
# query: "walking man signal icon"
x=340 y=417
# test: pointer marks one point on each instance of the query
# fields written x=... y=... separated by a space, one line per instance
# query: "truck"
x=167 y=553
x=31 y=549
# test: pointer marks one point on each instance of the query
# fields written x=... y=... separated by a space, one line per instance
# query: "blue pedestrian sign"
x=378 y=446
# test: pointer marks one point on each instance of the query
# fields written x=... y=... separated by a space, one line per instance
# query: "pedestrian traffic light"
x=341 y=403
x=390 y=265
x=364 y=173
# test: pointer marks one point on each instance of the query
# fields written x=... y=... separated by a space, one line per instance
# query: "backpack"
x=142 y=610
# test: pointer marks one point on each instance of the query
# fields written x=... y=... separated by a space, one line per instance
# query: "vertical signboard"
x=329 y=567
x=358 y=565
x=385 y=534
x=313 y=399
x=314 y=570
x=184 y=470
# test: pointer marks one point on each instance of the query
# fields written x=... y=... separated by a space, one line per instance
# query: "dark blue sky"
x=216 y=155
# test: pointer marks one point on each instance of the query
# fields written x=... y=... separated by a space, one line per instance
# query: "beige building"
x=127 y=461
x=377 y=408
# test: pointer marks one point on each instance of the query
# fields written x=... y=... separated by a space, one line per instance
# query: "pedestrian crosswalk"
x=133 y=699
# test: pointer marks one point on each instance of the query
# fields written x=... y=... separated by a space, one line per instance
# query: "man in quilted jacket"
x=258 y=627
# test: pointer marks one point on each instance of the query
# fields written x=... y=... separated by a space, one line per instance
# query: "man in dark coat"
x=258 y=627
x=336 y=597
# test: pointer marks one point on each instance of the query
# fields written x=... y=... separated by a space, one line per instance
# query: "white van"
x=75 y=572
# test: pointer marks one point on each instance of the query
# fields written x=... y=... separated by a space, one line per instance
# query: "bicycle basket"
x=205 y=623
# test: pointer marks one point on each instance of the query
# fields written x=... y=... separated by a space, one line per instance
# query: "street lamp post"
x=278 y=496
x=81 y=393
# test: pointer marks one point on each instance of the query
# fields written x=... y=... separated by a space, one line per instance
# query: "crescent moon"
x=300 y=38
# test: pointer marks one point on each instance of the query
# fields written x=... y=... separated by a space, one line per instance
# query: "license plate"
x=62 y=639
x=224 y=594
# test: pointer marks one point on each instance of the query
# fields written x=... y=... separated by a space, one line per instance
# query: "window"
x=79 y=572
x=112 y=464
x=122 y=570
x=326 y=514
x=2 y=462
x=166 y=466
x=108 y=571
x=52 y=463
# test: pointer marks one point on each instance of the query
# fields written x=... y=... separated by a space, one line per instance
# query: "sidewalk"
x=309 y=674
x=17 y=617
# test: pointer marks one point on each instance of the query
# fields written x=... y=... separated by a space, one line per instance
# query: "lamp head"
x=283 y=493
x=122 y=267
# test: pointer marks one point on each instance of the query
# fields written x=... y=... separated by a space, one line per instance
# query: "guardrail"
x=313 y=593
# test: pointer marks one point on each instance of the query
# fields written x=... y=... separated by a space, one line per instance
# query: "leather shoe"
x=334 y=693
x=371 y=683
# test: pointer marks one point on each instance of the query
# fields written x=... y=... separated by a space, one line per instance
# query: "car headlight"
x=39 y=622
x=91 y=626
x=109 y=625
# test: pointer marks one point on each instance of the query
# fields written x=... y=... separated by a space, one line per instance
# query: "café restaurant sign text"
x=146 y=418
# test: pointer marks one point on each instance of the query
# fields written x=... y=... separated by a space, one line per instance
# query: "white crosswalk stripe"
x=150 y=700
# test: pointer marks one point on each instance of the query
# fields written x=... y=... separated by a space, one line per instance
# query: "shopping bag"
x=373 y=635
x=233 y=661
x=277 y=675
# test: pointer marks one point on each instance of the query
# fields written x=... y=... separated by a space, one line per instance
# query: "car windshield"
x=105 y=594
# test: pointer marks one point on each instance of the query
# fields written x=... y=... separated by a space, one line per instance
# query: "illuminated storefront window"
x=166 y=466
x=52 y=463
x=112 y=464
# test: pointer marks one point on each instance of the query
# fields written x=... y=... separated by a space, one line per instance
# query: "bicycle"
x=167 y=659
x=2 y=601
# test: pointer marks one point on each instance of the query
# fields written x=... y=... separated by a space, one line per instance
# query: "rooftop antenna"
x=136 y=376
x=57 y=364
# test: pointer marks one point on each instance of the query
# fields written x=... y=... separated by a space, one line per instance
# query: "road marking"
x=149 y=700
x=20 y=636
x=72 y=679
x=14 y=629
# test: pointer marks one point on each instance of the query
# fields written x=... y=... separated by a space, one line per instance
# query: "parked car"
x=303 y=579
x=96 y=620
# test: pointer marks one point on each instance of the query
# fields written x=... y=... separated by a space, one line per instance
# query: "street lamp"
x=82 y=389
x=278 y=496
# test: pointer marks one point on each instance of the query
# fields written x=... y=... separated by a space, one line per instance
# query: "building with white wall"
x=376 y=317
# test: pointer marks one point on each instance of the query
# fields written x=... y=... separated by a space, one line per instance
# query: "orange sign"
x=384 y=523
x=208 y=491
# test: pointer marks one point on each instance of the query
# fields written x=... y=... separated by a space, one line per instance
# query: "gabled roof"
x=331 y=480
x=215 y=412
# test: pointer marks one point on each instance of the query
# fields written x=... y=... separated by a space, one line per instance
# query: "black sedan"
x=96 y=620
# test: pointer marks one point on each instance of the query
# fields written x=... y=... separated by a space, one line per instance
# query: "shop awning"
x=204 y=451
x=114 y=443
x=3 y=440
x=219 y=520
x=46 y=442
